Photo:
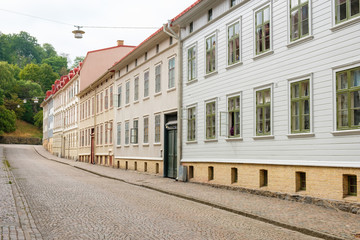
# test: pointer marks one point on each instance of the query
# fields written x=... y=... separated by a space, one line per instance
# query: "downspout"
x=94 y=107
x=171 y=33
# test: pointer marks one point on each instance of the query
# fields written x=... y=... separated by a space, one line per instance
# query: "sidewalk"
x=305 y=218
x=15 y=218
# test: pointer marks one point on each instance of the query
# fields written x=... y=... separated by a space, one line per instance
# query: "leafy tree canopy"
x=38 y=119
x=57 y=63
x=27 y=89
x=7 y=120
x=77 y=60
x=7 y=79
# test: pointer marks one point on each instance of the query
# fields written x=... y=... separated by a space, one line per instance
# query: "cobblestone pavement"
x=303 y=217
x=68 y=203
x=15 y=219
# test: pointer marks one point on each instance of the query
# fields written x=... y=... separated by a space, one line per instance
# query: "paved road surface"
x=68 y=203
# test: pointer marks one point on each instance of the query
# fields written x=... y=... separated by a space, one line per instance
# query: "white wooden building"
x=271 y=95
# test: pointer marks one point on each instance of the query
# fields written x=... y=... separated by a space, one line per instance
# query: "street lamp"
x=78 y=33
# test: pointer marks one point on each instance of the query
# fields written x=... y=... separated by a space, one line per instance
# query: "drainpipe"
x=94 y=123
x=168 y=30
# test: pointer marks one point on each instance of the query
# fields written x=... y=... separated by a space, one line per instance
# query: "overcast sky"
x=140 y=13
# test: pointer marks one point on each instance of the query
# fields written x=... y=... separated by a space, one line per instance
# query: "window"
x=106 y=99
x=263 y=112
x=127 y=93
x=348 y=99
x=158 y=78
x=101 y=101
x=111 y=96
x=136 y=89
x=211 y=120
x=210 y=173
x=234 y=175
x=350 y=185
x=127 y=68
x=234 y=116
x=157 y=129
x=191 y=63
x=210 y=54
x=146 y=84
x=101 y=134
x=93 y=106
x=119 y=95
x=97 y=135
x=299 y=19
x=135 y=62
x=171 y=82
x=262 y=30
x=346 y=9
x=232 y=3
x=157 y=48
x=118 y=134
x=106 y=133
x=97 y=103
x=263 y=178
x=170 y=40
x=300 y=106
x=145 y=56
x=146 y=130
x=210 y=14
x=191 y=172
x=191 y=27
x=191 y=136
x=300 y=181
x=234 y=43
x=127 y=133
x=134 y=132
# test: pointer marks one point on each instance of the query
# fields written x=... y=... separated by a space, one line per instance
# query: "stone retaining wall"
x=20 y=140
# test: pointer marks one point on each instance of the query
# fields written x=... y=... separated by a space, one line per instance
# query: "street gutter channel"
x=305 y=231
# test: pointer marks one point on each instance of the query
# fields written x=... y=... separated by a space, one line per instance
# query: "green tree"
x=47 y=77
x=7 y=120
x=15 y=104
x=31 y=72
x=7 y=80
x=49 y=50
x=57 y=63
x=77 y=60
x=38 y=119
x=27 y=89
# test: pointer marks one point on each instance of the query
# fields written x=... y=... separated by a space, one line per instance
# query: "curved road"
x=68 y=203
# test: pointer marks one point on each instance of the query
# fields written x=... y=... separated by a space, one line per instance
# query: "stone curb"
x=305 y=231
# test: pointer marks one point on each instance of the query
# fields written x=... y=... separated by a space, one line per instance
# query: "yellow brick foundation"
x=152 y=167
x=321 y=182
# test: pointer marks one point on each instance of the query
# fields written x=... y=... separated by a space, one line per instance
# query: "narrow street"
x=68 y=203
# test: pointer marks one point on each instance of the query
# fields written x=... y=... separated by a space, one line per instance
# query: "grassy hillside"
x=24 y=129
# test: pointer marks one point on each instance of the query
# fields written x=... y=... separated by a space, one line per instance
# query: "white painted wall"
x=318 y=56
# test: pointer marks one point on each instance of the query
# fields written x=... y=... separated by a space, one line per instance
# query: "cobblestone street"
x=69 y=203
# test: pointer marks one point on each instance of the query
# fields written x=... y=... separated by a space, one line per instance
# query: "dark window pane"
x=354 y=5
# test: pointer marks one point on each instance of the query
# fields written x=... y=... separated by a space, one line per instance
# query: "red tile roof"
x=186 y=10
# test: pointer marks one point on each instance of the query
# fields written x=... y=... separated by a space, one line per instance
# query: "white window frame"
x=238 y=20
x=335 y=70
x=271 y=135
x=195 y=105
x=118 y=134
x=173 y=58
x=134 y=132
x=216 y=52
x=119 y=96
x=294 y=80
x=155 y=115
x=336 y=26
x=148 y=123
x=258 y=8
x=216 y=120
x=232 y=95
x=158 y=65
x=148 y=84
x=127 y=134
x=127 y=93
x=194 y=45
x=303 y=39
x=136 y=88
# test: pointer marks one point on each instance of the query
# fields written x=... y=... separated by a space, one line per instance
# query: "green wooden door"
x=172 y=153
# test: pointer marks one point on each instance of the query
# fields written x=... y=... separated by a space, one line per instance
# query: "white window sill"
x=233 y=139
x=157 y=94
x=191 y=81
x=191 y=142
x=157 y=144
x=118 y=146
x=126 y=146
x=171 y=89
x=211 y=74
x=210 y=140
x=346 y=132
x=345 y=24
x=127 y=105
x=300 y=135
x=300 y=41
x=234 y=65
x=263 y=137
x=137 y=101
x=269 y=52
x=135 y=145
x=119 y=108
x=145 y=145
x=146 y=98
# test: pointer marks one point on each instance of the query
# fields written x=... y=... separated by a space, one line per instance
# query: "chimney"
x=120 y=42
